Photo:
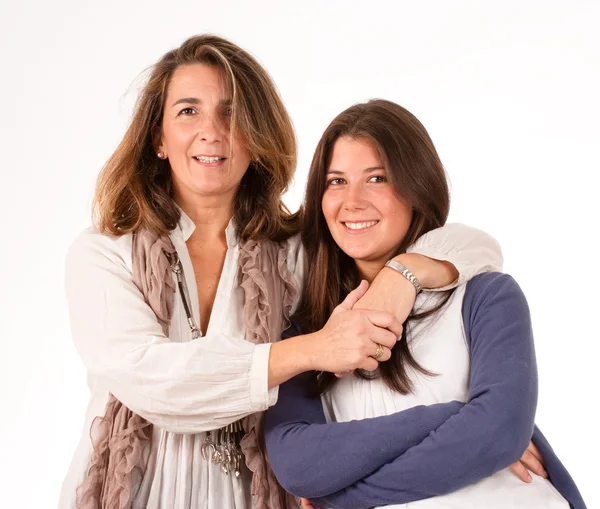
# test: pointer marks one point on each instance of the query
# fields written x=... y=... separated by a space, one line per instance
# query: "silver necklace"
x=225 y=449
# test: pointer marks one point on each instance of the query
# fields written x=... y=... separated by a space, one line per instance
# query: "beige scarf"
x=121 y=438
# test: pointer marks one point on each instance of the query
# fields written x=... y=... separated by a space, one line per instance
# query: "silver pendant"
x=225 y=449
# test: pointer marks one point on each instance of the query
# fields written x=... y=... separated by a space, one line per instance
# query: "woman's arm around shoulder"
x=441 y=259
x=470 y=250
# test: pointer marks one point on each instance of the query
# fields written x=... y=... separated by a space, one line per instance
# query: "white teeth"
x=361 y=226
x=205 y=159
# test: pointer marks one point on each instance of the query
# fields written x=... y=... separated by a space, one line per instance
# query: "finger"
x=382 y=336
x=342 y=374
x=532 y=448
x=385 y=320
x=521 y=472
x=369 y=364
x=533 y=464
x=306 y=504
x=385 y=355
x=354 y=296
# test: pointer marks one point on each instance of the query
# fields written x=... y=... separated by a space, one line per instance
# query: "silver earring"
x=161 y=155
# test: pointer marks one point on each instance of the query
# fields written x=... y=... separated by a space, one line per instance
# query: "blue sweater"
x=423 y=451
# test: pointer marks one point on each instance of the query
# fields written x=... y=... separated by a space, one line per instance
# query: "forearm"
x=470 y=250
x=290 y=358
x=301 y=444
x=492 y=430
x=440 y=260
x=431 y=273
x=468 y=447
x=193 y=386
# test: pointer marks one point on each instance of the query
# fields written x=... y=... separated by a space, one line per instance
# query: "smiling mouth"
x=357 y=226
x=209 y=159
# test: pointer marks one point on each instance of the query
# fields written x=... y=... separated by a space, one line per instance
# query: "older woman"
x=188 y=277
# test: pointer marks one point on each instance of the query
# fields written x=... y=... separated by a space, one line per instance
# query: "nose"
x=354 y=198
x=210 y=129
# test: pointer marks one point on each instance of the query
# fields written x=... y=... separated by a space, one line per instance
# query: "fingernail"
x=529 y=479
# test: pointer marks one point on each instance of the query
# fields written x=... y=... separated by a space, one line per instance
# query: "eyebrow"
x=195 y=100
x=366 y=170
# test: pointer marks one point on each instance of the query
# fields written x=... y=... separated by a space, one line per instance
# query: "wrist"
x=415 y=263
x=289 y=358
x=431 y=273
x=305 y=351
x=405 y=273
x=390 y=291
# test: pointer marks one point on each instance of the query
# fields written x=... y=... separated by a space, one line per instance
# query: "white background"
x=508 y=91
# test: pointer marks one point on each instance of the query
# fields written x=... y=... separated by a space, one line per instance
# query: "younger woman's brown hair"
x=135 y=188
x=414 y=168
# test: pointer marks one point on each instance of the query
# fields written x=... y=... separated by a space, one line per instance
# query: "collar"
x=186 y=227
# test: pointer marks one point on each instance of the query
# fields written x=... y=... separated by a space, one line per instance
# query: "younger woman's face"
x=365 y=215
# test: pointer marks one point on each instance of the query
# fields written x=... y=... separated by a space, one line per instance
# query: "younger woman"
x=437 y=425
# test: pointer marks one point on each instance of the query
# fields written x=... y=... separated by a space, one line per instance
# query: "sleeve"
x=312 y=458
x=557 y=473
x=491 y=431
x=185 y=387
x=470 y=250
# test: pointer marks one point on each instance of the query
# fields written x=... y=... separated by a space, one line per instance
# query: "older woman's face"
x=205 y=161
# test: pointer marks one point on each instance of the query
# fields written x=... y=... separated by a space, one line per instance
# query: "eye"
x=187 y=112
x=378 y=178
x=336 y=181
x=227 y=111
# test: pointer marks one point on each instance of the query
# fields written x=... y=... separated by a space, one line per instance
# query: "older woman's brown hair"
x=135 y=189
x=414 y=168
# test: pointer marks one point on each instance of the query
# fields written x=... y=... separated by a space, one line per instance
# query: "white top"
x=440 y=346
x=186 y=387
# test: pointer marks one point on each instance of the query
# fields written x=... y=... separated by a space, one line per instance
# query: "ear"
x=157 y=141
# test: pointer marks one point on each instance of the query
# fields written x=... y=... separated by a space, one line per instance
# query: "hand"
x=306 y=504
x=349 y=338
x=532 y=460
